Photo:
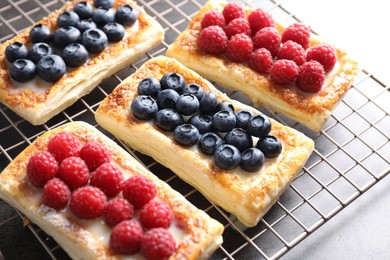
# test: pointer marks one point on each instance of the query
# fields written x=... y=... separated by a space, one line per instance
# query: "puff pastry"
x=38 y=101
x=311 y=110
x=247 y=195
x=197 y=234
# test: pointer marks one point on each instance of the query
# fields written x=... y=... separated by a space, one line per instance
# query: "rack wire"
x=351 y=153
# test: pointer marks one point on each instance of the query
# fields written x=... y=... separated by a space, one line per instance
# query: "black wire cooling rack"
x=350 y=156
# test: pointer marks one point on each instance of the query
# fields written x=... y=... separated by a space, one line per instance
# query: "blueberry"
x=84 y=10
x=186 y=134
x=40 y=33
x=224 y=121
x=114 y=31
x=202 y=122
x=167 y=99
x=149 y=86
x=208 y=103
x=187 y=104
x=103 y=3
x=168 y=119
x=66 y=35
x=209 y=142
x=51 y=68
x=103 y=16
x=194 y=89
x=22 y=70
x=15 y=51
x=173 y=81
x=94 y=40
x=126 y=15
x=68 y=18
x=75 y=55
x=38 y=50
x=224 y=105
x=259 y=126
x=227 y=157
x=270 y=146
x=86 y=24
x=252 y=160
x=144 y=107
x=242 y=118
x=239 y=138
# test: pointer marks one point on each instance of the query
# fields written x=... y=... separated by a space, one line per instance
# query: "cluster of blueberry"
x=196 y=117
x=77 y=35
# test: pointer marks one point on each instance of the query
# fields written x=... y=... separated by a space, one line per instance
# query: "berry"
x=261 y=60
x=211 y=18
x=68 y=18
x=139 y=190
x=324 y=54
x=284 y=72
x=242 y=118
x=239 y=48
x=126 y=237
x=168 y=119
x=51 y=68
x=233 y=11
x=117 y=210
x=55 y=194
x=95 y=154
x=173 y=81
x=103 y=3
x=103 y=15
x=186 y=134
x=292 y=51
x=187 y=104
x=75 y=55
x=41 y=168
x=114 y=31
x=311 y=77
x=260 y=19
x=157 y=244
x=252 y=160
x=270 y=146
x=66 y=35
x=208 y=103
x=107 y=178
x=38 y=50
x=22 y=70
x=94 y=40
x=224 y=121
x=15 y=51
x=156 y=214
x=259 y=126
x=64 y=145
x=268 y=38
x=236 y=26
x=144 y=107
x=74 y=172
x=212 y=40
x=40 y=33
x=167 y=99
x=88 y=202
x=298 y=33
x=227 y=157
x=201 y=122
x=86 y=24
x=209 y=142
x=224 y=105
x=126 y=15
x=84 y=10
x=150 y=87
x=194 y=89
x=239 y=138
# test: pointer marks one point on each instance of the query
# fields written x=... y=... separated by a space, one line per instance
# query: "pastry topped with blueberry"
x=64 y=56
x=237 y=157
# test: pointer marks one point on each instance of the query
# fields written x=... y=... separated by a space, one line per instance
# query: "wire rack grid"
x=351 y=154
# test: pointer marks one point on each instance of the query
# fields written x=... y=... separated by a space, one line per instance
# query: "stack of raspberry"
x=254 y=39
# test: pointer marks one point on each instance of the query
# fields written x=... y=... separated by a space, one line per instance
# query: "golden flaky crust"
x=202 y=234
x=38 y=106
x=247 y=195
x=311 y=110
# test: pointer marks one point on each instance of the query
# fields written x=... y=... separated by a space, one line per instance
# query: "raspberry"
x=292 y=51
x=74 y=172
x=259 y=19
x=88 y=202
x=108 y=178
x=117 y=210
x=56 y=194
x=156 y=214
x=94 y=154
x=298 y=33
x=239 y=48
x=213 y=18
x=212 y=40
x=268 y=38
x=239 y=25
x=64 y=145
x=139 y=190
x=41 y=168
x=157 y=243
x=324 y=54
x=284 y=72
x=126 y=237
x=311 y=77
x=233 y=11
x=261 y=60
